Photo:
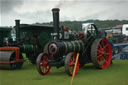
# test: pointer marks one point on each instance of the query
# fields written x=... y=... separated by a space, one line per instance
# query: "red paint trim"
x=53 y=45
x=16 y=49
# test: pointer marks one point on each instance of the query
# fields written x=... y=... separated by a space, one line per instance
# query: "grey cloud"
x=101 y=9
x=66 y=3
x=32 y=11
x=8 y=5
x=39 y=16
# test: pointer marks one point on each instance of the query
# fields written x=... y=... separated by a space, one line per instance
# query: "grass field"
x=116 y=74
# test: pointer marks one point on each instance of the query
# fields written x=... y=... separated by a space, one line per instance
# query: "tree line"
x=77 y=25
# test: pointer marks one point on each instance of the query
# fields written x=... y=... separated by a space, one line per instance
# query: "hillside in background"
x=76 y=25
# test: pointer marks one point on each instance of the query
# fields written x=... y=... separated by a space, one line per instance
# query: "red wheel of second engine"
x=101 y=53
x=42 y=64
x=70 y=63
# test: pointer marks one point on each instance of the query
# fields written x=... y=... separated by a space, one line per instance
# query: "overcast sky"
x=31 y=11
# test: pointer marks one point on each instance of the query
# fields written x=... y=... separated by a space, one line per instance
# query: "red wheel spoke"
x=71 y=60
x=105 y=46
x=99 y=62
x=42 y=68
x=107 y=53
x=71 y=70
x=46 y=68
x=102 y=60
x=99 y=56
x=71 y=64
x=102 y=43
x=100 y=46
x=45 y=59
x=45 y=63
x=41 y=63
x=100 y=51
x=106 y=61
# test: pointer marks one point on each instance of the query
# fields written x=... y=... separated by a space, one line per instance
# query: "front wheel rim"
x=104 y=54
x=45 y=68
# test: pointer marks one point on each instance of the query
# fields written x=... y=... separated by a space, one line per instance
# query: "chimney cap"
x=55 y=9
x=17 y=20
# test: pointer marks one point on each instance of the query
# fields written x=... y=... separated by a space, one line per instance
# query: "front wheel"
x=42 y=64
x=70 y=63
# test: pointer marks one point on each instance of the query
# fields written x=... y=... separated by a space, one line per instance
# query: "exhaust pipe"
x=55 y=12
x=17 y=28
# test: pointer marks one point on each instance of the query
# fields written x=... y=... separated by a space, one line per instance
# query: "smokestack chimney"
x=55 y=12
x=17 y=28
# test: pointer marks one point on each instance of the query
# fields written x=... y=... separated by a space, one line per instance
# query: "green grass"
x=116 y=74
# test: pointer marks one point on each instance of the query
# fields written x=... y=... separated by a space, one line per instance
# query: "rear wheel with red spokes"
x=101 y=53
x=42 y=64
x=70 y=63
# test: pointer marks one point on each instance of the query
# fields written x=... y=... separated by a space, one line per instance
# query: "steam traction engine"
x=30 y=39
x=62 y=51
